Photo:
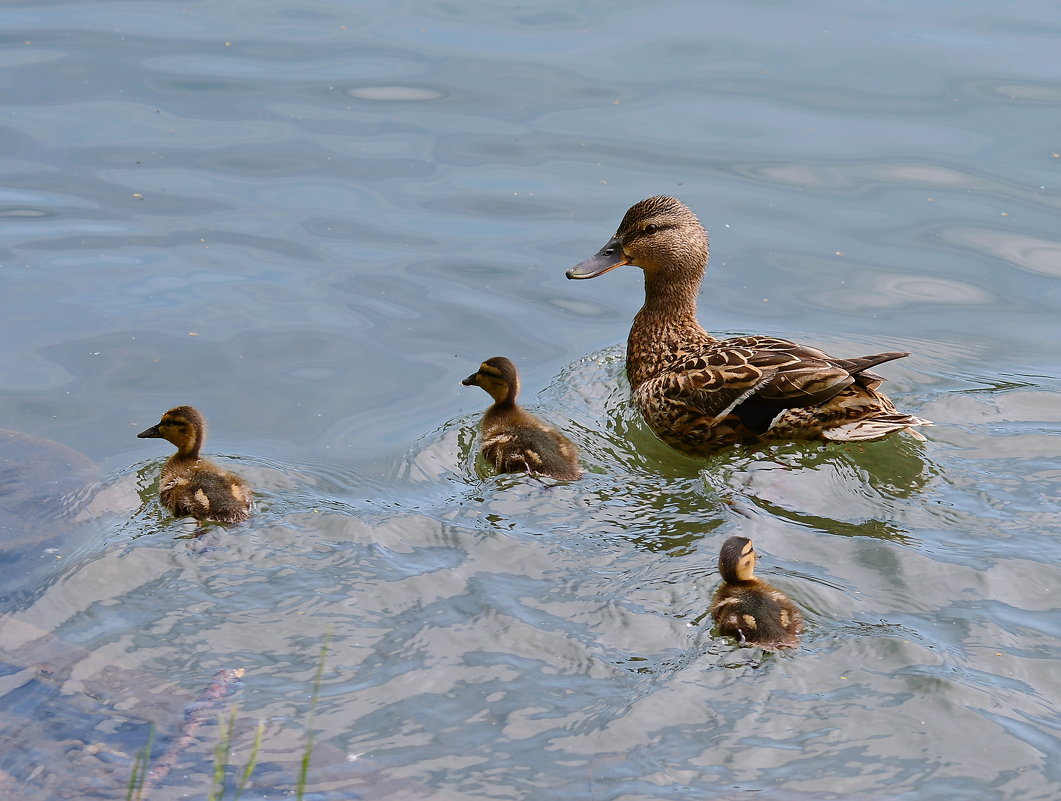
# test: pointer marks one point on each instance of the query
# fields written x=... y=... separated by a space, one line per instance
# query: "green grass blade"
x=252 y=760
x=303 y=772
x=134 y=777
x=222 y=749
x=135 y=790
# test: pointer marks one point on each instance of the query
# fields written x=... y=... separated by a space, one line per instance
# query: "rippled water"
x=312 y=219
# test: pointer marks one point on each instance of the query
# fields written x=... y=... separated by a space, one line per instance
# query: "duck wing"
x=756 y=378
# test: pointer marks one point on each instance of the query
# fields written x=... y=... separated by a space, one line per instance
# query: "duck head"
x=498 y=377
x=184 y=426
x=662 y=236
x=736 y=560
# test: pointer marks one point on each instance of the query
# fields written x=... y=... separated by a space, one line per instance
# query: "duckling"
x=191 y=485
x=698 y=393
x=514 y=440
x=749 y=609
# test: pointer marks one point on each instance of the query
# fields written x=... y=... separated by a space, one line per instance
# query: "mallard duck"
x=697 y=392
x=191 y=485
x=514 y=440
x=748 y=609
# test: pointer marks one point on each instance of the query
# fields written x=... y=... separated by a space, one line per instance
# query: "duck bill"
x=608 y=258
x=151 y=433
x=471 y=381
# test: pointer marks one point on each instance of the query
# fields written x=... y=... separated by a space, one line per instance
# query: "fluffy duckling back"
x=748 y=609
x=514 y=440
x=697 y=392
x=191 y=485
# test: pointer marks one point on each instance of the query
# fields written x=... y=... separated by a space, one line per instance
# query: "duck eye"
x=651 y=228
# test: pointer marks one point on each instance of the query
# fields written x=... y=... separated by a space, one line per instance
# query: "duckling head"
x=184 y=426
x=736 y=560
x=662 y=236
x=497 y=376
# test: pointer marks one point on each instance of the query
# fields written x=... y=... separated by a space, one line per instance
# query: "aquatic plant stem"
x=222 y=748
x=252 y=760
x=303 y=772
x=135 y=790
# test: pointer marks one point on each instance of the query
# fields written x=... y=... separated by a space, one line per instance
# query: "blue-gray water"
x=311 y=219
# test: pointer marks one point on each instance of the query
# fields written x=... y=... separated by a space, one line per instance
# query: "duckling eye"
x=651 y=228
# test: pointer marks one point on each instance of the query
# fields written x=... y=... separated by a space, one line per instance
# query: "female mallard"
x=191 y=485
x=515 y=440
x=697 y=392
x=748 y=609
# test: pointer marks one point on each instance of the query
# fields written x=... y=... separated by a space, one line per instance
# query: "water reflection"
x=1028 y=252
x=936 y=179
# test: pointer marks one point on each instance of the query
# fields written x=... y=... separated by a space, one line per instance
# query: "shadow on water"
x=851 y=489
x=44 y=487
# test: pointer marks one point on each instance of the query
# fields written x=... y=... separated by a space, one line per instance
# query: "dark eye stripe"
x=655 y=229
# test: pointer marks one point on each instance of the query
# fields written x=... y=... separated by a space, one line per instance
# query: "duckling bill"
x=191 y=485
x=698 y=393
x=748 y=609
x=514 y=440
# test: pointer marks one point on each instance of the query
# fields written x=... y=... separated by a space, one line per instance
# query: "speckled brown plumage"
x=697 y=392
x=514 y=440
x=191 y=485
x=748 y=609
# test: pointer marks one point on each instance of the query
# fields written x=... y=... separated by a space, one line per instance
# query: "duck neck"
x=664 y=329
x=508 y=400
x=503 y=403
x=185 y=456
x=190 y=451
x=501 y=412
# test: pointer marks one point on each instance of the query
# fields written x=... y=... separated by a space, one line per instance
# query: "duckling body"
x=698 y=393
x=748 y=609
x=514 y=440
x=190 y=485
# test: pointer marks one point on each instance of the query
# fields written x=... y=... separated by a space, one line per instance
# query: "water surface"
x=312 y=219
